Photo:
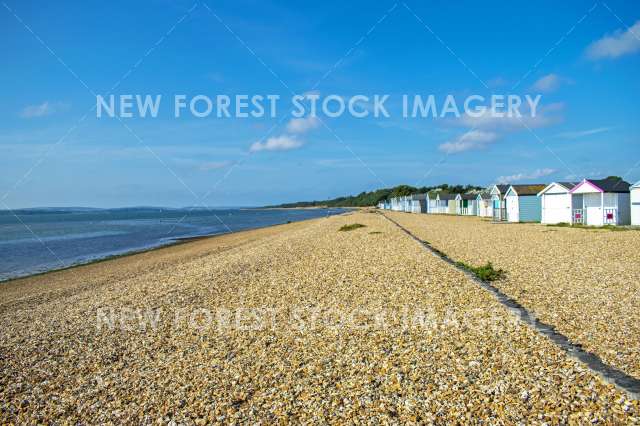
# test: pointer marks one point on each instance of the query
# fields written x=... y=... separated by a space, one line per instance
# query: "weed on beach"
x=486 y=272
x=351 y=227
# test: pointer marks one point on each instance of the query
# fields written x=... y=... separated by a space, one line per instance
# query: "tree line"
x=372 y=198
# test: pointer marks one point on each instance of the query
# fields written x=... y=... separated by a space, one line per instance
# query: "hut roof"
x=502 y=188
x=447 y=196
x=528 y=189
x=568 y=185
x=469 y=196
x=611 y=184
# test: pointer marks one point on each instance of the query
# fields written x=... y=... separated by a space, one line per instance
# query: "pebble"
x=463 y=359
x=586 y=283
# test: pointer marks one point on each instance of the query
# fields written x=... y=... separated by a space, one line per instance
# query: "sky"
x=582 y=58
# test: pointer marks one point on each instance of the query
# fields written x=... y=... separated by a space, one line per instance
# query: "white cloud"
x=490 y=125
x=288 y=141
x=582 y=133
x=617 y=44
x=522 y=176
x=473 y=139
x=278 y=143
x=302 y=125
x=214 y=165
x=45 y=108
x=548 y=83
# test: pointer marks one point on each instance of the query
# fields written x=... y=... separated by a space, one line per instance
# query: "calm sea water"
x=39 y=240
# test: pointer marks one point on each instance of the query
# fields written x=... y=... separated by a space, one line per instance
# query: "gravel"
x=446 y=351
x=586 y=283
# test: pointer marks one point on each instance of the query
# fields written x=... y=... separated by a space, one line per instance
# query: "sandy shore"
x=297 y=322
x=584 y=282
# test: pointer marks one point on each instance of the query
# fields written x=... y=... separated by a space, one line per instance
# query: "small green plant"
x=351 y=227
x=485 y=273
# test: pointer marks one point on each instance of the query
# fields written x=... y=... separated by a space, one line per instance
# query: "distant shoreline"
x=314 y=208
x=299 y=208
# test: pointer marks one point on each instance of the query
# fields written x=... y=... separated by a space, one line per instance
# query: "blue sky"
x=582 y=57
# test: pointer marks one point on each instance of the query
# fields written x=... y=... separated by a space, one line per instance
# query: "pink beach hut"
x=604 y=202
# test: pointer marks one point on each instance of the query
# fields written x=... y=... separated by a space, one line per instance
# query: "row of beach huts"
x=591 y=202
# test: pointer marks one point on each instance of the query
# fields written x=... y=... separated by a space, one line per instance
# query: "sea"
x=43 y=239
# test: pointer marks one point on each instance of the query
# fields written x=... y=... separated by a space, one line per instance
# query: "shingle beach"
x=306 y=323
x=584 y=282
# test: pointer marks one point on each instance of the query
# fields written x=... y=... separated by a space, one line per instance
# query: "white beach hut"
x=418 y=203
x=446 y=203
x=466 y=204
x=406 y=204
x=395 y=204
x=497 y=199
x=604 y=202
x=559 y=204
x=635 y=204
x=432 y=202
x=484 y=206
x=399 y=205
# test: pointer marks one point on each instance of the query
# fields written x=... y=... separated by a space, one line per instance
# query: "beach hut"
x=406 y=204
x=418 y=203
x=446 y=203
x=522 y=203
x=466 y=204
x=484 y=206
x=635 y=204
x=558 y=203
x=453 y=206
x=497 y=200
x=395 y=204
x=440 y=205
x=431 y=202
x=604 y=202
